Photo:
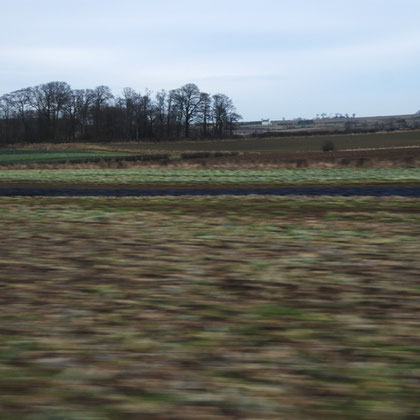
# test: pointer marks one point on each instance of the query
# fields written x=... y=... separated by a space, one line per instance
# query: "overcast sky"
x=273 y=58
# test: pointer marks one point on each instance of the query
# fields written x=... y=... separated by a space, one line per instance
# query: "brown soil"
x=201 y=186
x=374 y=158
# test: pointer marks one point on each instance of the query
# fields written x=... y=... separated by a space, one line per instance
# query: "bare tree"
x=83 y=102
x=21 y=104
x=77 y=112
x=160 y=111
x=6 y=114
x=174 y=114
x=188 y=100
x=54 y=111
x=139 y=114
x=101 y=97
x=205 y=113
x=131 y=104
x=49 y=101
x=146 y=114
x=224 y=115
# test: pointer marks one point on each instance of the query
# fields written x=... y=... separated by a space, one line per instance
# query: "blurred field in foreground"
x=211 y=308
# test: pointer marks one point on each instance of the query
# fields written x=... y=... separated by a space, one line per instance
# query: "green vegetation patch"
x=210 y=176
x=11 y=156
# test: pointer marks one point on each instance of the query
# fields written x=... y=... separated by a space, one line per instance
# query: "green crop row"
x=127 y=176
x=9 y=156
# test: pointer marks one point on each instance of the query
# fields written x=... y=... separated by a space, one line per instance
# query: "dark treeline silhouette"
x=55 y=112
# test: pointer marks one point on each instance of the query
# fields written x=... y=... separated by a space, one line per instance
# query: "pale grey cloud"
x=275 y=58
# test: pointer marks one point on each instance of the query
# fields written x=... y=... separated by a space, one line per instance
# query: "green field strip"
x=222 y=176
x=9 y=156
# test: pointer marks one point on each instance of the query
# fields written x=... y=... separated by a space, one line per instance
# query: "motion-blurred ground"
x=168 y=308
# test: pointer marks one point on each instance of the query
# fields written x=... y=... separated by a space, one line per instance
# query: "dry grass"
x=251 y=308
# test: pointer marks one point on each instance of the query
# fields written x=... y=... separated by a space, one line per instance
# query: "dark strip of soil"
x=379 y=191
x=201 y=185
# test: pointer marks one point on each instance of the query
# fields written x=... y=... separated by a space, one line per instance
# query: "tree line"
x=55 y=112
